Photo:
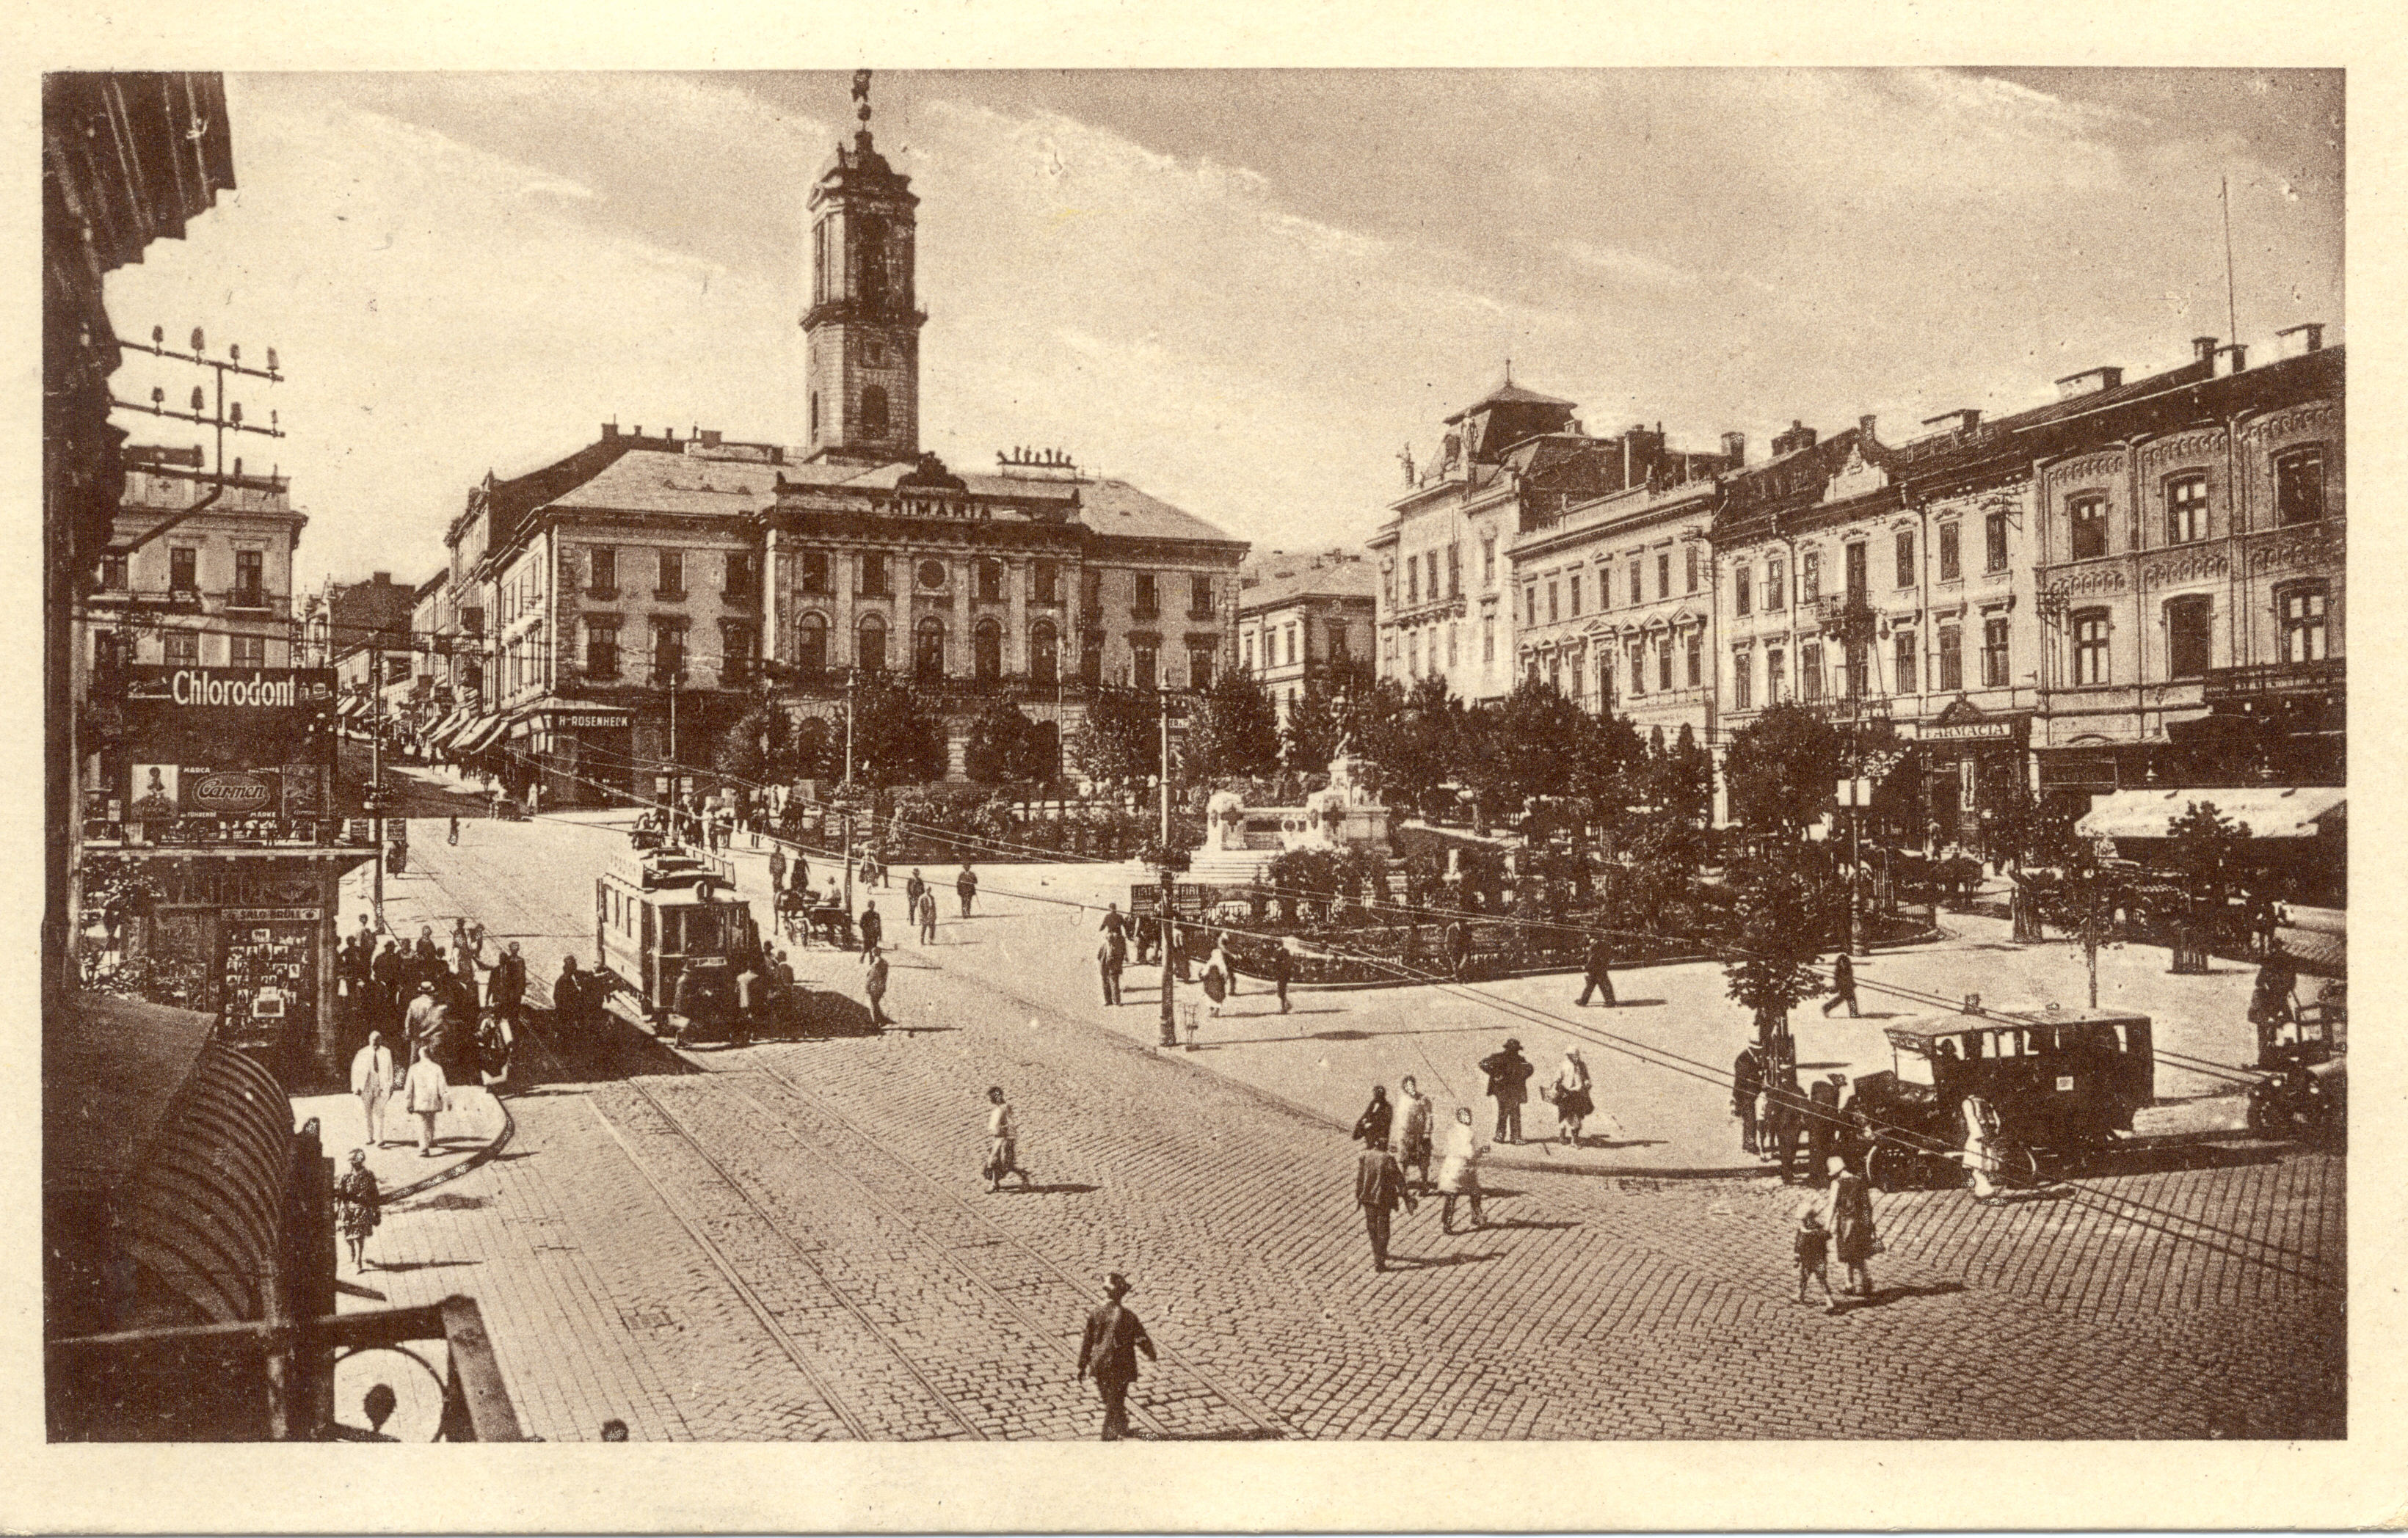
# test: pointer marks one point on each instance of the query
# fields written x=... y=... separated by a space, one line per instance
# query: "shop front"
x=1969 y=766
x=578 y=754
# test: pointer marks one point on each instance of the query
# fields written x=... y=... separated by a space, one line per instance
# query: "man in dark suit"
x=1821 y=1125
x=1747 y=1084
x=1108 y=1351
x=1598 y=979
x=1379 y=1188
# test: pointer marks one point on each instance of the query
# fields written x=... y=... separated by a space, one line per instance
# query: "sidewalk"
x=472 y=1132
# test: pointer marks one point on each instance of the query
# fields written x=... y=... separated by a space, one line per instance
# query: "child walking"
x=1813 y=1247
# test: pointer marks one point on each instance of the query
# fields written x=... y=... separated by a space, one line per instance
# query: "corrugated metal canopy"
x=2271 y=812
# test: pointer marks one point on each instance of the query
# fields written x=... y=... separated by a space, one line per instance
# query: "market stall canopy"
x=2292 y=812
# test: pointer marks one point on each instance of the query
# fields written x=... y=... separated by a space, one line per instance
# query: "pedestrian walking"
x=506 y=989
x=1116 y=921
x=453 y=836
x=1413 y=1116
x=1508 y=1077
x=1844 y=986
x=1107 y=968
x=966 y=886
x=385 y=975
x=1570 y=1091
x=776 y=871
x=913 y=891
x=924 y=909
x=424 y=1092
x=1002 y=1142
x=1813 y=1247
x=1459 y=950
x=359 y=1207
x=1785 y=1118
x=494 y=1042
x=873 y=930
x=1822 y=1124
x=569 y=1002
x=1372 y=1127
x=1107 y=1352
x=1217 y=977
x=1852 y=1234
x=873 y=985
x=1284 y=968
x=2271 y=1001
x=1459 y=1174
x=372 y=1080
x=1597 y=972
x=1379 y=1188
x=1747 y=1084
x=418 y=1020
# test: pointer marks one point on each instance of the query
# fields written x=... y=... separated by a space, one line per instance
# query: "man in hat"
x=1379 y=1188
x=1596 y=975
x=1109 y=1350
x=1509 y=1076
x=419 y=1017
x=1823 y=1123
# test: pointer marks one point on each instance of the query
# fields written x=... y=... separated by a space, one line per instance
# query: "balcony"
x=1848 y=616
x=2268 y=680
x=738 y=596
x=1145 y=611
x=668 y=595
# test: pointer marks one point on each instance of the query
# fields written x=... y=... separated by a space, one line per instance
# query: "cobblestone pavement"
x=795 y=1243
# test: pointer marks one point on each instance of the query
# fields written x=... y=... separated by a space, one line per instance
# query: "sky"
x=1246 y=292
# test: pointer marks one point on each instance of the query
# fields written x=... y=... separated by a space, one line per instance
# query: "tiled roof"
x=1285 y=580
x=1508 y=394
x=651 y=480
x=1116 y=508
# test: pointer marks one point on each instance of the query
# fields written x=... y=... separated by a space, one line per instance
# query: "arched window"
x=987 y=652
x=872 y=651
x=928 y=648
x=1044 y=652
x=810 y=643
x=873 y=411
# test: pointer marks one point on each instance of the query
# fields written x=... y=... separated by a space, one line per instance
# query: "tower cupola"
x=862 y=331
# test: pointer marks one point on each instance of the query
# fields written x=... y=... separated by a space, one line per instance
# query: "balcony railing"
x=2273 y=679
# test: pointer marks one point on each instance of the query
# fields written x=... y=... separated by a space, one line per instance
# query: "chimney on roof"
x=1865 y=425
x=610 y=430
x=637 y=430
x=381 y=579
x=2203 y=347
x=2231 y=358
x=2088 y=382
x=1962 y=420
x=2298 y=341
x=1799 y=437
x=709 y=436
x=671 y=433
x=1735 y=448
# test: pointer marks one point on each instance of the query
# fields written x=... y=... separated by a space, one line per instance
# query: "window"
x=1454 y=571
x=990 y=581
x=601 y=650
x=668 y=652
x=1199 y=598
x=1854 y=564
x=672 y=582
x=1530 y=605
x=1141 y=663
x=1663 y=659
x=810 y=644
x=1414 y=655
x=1413 y=580
x=184 y=570
x=2189 y=628
x=2089 y=647
x=1776 y=586
x=1994 y=653
x=247 y=650
x=1742 y=590
x=1810 y=671
x=183 y=648
x=743 y=582
x=1664 y=573
x=250 y=579
x=1690 y=582
x=2185 y=509
x=819 y=266
x=1487 y=639
x=1638 y=593
x=1091 y=657
x=815 y=413
x=928 y=648
x=1091 y=592
x=1199 y=667
x=870 y=652
x=1905 y=562
x=106 y=659
x=1337 y=643
x=1044 y=652
x=112 y=574
x=2086 y=520
x=1147 y=606
x=1433 y=575
x=1858 y=669
x=1902 y=660
x=1246 y=644
x=1450 y=646
x=1950 y=568
x=1045 y=583
x=2299 y=484
x=931 y=575
x=2302 y=611
x=987 y=652
x=1573 y=583
x=815 y=572
x=735 y=654
x=1994 y=541
x=1952 y=659
x=1575 y=674
x=1553 y=614
x=1810 y=577
x=875 y=581
x=606 y=570
x=1742 y=678
x=1556 y=672
x=1488 y=562
x=873 y=407
x=1388 y=586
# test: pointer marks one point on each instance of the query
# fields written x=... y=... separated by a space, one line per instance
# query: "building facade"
x=1302 y=617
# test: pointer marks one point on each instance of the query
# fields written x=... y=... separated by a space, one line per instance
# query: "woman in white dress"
x=1459 y=1176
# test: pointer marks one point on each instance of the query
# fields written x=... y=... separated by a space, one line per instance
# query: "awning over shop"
x=2293 y=812
x=350 y=707
x=443 y=730
x=480 y=736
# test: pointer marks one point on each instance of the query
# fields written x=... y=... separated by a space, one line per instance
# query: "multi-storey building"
x=1445 y=599
x=2190 y=560
x=368 y=640
x=206 y=586
x=1613 y=602
x=1301 y=615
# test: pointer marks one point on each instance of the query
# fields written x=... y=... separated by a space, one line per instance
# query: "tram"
x=667 y=910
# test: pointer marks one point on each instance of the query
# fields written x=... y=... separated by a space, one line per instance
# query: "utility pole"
x=376 y=800
x=1170 y=931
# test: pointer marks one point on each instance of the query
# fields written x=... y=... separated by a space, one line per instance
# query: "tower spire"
x=861 y=95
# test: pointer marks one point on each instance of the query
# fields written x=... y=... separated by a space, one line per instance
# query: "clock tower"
x=862 y=333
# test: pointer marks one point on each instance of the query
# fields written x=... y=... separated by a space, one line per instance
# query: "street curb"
x=451 y=1173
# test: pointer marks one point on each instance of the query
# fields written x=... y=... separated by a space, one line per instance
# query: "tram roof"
x=1922 y=1031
